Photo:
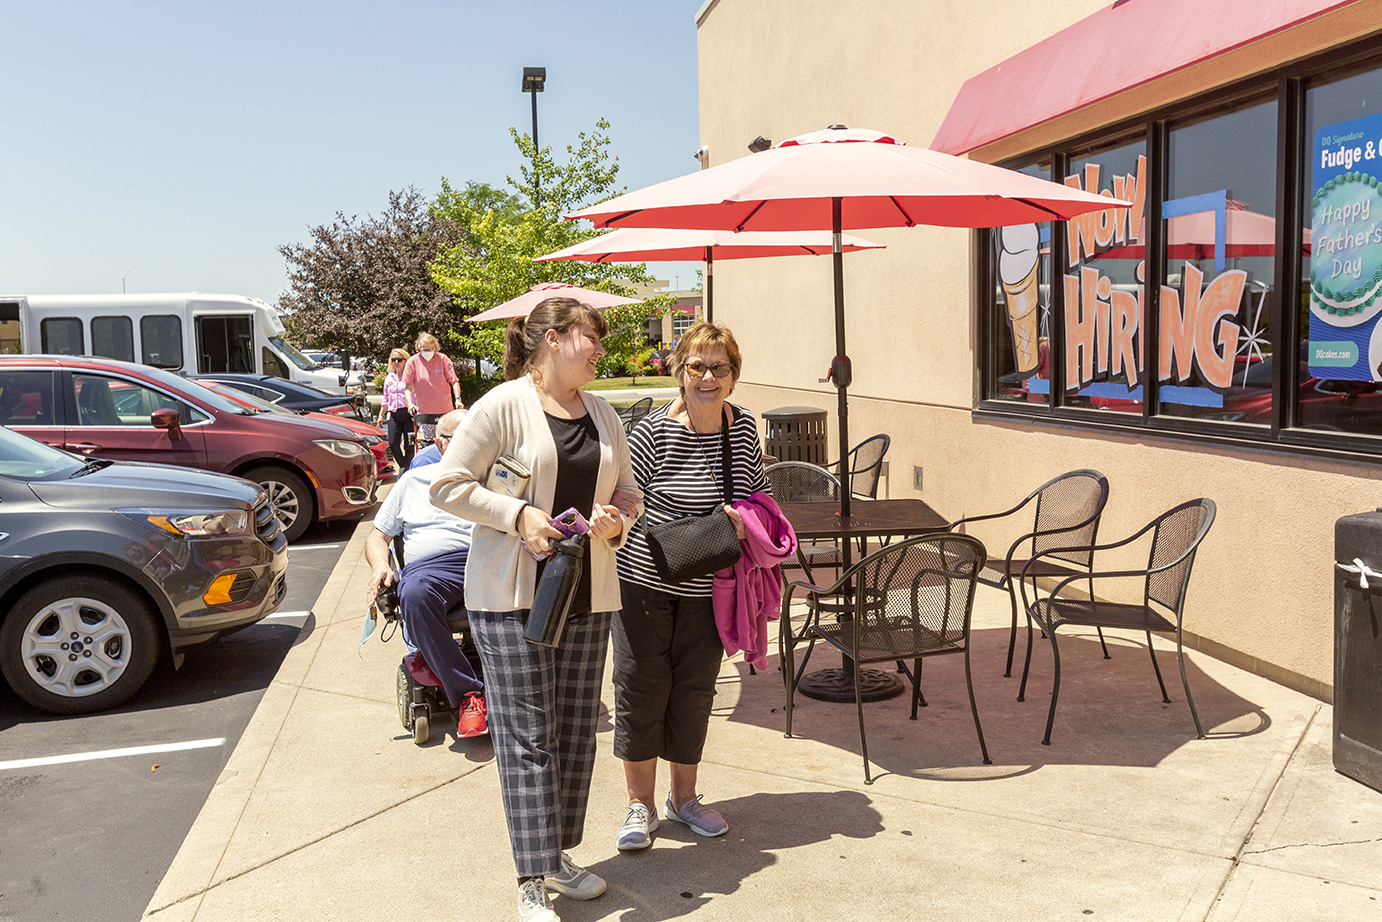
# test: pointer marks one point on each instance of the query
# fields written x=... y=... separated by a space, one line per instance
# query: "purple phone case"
x=570 y=523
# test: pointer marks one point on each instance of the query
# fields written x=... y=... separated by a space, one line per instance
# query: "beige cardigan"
x=509 y=420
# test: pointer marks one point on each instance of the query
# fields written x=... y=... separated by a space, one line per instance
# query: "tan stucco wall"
x=1262 y=590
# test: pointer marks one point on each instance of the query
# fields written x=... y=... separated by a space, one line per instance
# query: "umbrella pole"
x=709 y=285
x=840 y=368
x=841 y=684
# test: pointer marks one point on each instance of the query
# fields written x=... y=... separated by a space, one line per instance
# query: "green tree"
x=493 y=261
x=364 y=283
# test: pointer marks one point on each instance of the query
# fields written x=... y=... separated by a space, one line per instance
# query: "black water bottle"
x=555 y=590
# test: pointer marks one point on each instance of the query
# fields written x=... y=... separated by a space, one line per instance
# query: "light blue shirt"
x=426 y=529
x=429 y=455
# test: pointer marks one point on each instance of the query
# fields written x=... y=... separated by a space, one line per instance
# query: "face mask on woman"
x=428 y=353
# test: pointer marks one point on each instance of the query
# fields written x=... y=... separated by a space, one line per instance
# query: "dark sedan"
x=103 y=565
x=287 y=394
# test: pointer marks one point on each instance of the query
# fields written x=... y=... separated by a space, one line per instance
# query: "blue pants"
x=427 y=590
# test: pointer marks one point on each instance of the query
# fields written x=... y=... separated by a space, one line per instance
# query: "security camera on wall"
x=703 y=155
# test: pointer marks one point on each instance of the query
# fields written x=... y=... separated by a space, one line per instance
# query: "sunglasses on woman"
x=719 y=369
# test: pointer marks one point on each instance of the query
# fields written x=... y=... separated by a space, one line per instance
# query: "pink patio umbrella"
x=641 y=244
x=845 y=178
x=523 y=305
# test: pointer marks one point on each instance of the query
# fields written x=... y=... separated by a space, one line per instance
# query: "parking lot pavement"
x=327 y=809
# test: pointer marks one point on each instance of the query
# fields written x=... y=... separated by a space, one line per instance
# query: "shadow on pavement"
x=1110 y=711
x=672 y=880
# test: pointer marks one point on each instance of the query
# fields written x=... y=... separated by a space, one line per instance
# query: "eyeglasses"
x=719 y=369
x=391 y=361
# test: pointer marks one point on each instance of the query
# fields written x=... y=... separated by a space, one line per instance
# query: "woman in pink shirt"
x=430 y=382
x=394 y=409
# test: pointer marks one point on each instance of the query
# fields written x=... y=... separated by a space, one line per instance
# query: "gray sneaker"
x=639 y=826
x=533 y=905
x=574 y=881
x=702 y=820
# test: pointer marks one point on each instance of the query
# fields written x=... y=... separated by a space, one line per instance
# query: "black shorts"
x=667 y=655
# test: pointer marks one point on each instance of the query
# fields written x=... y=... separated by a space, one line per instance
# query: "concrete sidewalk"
x=328 y=811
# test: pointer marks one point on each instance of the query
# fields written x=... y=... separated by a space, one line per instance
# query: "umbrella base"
x=838 y=685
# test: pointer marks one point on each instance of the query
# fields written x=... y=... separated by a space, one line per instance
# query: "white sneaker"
x=639 y=826
x=533 y=905
x=702 y=820
x=575 y=881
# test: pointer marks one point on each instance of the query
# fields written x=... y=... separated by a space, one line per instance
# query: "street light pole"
x=534 y=79
x=122 y=281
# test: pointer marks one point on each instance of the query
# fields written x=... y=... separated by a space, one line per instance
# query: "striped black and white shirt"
x=679 y=472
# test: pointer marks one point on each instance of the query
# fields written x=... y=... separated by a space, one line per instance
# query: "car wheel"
x=77 y=644
x=290 y=495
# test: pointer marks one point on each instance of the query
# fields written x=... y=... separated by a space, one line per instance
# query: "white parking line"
x=113 y=753
x=313 y=547
x=287 y=614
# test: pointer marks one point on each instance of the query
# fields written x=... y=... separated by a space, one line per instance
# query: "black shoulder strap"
x=726 y=470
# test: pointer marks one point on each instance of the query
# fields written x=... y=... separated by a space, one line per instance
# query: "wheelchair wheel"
x=422 y=727
x=405 y=698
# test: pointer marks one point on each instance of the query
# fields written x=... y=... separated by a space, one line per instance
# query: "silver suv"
x=105 y=565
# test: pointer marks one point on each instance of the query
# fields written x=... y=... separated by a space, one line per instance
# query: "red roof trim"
x=1123 y=46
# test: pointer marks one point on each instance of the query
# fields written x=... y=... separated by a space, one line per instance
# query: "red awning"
x=1123 y=46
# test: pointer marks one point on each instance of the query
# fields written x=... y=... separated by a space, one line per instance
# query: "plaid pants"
x=544 y=705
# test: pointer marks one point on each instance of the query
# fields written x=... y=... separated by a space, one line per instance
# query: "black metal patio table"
x=868 y=518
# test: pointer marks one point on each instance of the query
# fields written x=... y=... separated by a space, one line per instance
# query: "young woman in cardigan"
x=543 y=702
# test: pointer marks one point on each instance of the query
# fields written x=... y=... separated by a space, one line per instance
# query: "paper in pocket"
x=509 y=476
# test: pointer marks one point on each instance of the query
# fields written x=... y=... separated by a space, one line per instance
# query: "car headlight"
x=372 y=439
x=196 y=524
x=343 y=448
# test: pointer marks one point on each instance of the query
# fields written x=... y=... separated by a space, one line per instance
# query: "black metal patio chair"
x=1065 y=513
x=865 y=466
x=910 y=600
x=1175 y=536
x=801 y=482
x=640 y=408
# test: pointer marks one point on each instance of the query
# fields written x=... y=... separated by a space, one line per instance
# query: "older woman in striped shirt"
x=667 y=649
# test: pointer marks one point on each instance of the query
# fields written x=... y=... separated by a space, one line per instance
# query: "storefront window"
x=1022 y=303
x=1215 y=341
x=1226 y=338
x=1102 y=279
x=1341 y=268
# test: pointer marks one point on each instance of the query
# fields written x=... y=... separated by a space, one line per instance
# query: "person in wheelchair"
x=435 y=547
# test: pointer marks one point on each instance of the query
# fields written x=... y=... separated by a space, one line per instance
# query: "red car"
x=313 y=471
x=374 y=437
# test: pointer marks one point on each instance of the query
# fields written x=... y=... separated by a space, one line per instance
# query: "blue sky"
x=177 y=144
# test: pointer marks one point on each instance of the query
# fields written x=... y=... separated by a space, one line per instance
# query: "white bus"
x=188 y=333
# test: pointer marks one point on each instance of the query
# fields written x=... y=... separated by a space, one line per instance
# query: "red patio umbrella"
x=845 y=178
x=523 y=305
x=641 y=244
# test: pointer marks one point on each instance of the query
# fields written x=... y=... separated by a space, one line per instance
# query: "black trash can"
x=1358 y=647
x=795 y=434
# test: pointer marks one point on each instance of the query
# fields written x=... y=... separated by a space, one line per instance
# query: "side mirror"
x=167 y=418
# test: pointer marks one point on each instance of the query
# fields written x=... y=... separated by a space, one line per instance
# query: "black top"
x=578 y=464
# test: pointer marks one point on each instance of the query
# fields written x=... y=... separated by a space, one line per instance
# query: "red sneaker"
x=472 y=721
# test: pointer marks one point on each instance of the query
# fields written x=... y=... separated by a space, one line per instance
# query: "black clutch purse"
x=555 y=590
x=698 y=545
